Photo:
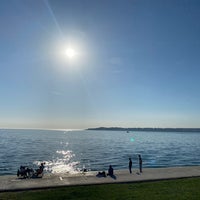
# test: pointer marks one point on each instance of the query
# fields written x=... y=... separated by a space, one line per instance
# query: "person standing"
x=130 y=165
x=140 y=163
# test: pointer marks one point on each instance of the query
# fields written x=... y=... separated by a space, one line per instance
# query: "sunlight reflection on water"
x=62 y=164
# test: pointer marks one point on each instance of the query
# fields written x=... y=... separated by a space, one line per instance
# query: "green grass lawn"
x=188 y=189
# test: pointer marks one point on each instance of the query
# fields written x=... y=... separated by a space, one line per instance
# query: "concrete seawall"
x=12 y=183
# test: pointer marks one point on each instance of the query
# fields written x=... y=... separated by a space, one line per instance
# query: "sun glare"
x=70 y=53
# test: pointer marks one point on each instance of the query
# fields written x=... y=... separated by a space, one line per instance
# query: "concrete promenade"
x=12 y=183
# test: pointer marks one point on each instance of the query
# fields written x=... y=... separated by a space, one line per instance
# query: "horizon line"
x=74 y=129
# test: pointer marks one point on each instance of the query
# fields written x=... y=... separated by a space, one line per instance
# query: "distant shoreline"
x=112 y=129
x=145 y=129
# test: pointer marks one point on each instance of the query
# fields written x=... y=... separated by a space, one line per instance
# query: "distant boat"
x=127 y=131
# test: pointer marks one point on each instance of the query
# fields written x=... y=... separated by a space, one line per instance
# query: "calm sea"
x=71 y=151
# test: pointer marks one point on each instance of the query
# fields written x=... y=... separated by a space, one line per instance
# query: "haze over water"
x=71 y=151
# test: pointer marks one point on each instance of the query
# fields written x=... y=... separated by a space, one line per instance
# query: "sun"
x=70 y=52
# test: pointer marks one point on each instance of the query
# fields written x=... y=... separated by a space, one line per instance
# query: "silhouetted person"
x=40 y=170
x=101 y=174
x=130 y=165
x=22 y=172
x=110 y=171
x=140 y=163
x=41 y=167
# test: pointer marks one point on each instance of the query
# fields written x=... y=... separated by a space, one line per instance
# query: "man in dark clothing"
x=130 y=165
x=140 y=163
x=110 y=171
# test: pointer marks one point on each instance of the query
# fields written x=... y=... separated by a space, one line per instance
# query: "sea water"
x=72 y=151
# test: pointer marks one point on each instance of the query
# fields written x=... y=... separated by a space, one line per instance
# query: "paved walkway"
x=12 y=183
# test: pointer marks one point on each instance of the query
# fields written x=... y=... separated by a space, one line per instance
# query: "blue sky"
x=136 y=63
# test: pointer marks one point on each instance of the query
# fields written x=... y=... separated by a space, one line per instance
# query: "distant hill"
x=146 y=129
